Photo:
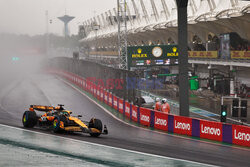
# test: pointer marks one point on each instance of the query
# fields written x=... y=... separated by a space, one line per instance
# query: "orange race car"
x=59 y=119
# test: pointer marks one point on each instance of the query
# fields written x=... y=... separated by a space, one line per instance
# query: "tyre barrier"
x=217 y=131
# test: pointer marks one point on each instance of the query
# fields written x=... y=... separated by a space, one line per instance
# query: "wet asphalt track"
x=17 y=93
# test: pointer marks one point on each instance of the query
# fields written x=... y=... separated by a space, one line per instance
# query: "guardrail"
x=222 y=132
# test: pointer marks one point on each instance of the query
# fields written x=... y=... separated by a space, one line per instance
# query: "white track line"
x=164 y=133
x=100 y=145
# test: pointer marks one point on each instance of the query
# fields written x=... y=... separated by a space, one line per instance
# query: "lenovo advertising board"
x=106 y=96
x=161 y=121
x=88 y=85
x=127 y=109
x=211 y=130
x=98 y=92
x=183 y=125
x=115 y=102
x=145 y=116
x=101 y=93
x=120 y=106
x=134 y=113
x=94 y=90
x=241 y=135
x=110 y=99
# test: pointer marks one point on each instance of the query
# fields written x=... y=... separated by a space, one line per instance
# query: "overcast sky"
x=28 y=16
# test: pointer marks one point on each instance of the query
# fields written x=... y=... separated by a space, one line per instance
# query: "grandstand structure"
x=155 y=22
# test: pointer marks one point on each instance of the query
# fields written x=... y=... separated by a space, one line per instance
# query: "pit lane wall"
x=228 y=133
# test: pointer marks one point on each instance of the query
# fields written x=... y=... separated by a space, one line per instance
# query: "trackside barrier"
x=106 y=95
x=241 y=135
x=228 y=133
x=211 y=130
x=98 y=92
x=160 y=121
x=183 y=125
x=135 y=113
x=115 y=102
x=110 y=100
x=101 y=94
x=121 y=106
x=127 y=109
x=145 y=115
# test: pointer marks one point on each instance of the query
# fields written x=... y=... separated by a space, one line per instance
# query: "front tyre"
x=29 y=119
x=56 y=124
x=96 y=124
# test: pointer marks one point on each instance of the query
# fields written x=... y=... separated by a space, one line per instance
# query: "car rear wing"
x=41 y=108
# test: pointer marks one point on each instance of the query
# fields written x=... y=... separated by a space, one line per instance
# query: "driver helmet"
x=164 y=100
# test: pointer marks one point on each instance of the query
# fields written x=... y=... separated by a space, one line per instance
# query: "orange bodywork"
x=73 y=128
x=61 y=125
x=78 y=121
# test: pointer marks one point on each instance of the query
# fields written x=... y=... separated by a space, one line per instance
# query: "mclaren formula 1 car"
x=59 y=119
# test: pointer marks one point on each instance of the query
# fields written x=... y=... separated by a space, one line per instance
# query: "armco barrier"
x=233 y=134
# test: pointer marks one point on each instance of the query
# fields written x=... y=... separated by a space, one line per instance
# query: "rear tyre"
x=97 y=124
x=29 y=119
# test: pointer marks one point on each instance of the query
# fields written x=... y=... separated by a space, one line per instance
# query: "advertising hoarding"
x=145 y=116
x=161 y=121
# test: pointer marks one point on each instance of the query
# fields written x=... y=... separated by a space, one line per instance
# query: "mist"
x=20 y=55
x=28 y=16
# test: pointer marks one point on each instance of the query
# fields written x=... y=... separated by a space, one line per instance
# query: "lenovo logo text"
x=241 y=136
x=159 y=121
x=145 y=118
x=210 y=130
x=182 y=126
